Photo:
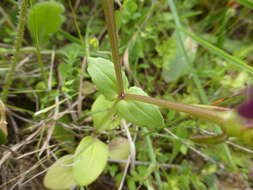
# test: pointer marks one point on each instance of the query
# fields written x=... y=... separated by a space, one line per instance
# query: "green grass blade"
x=152 y=157
x=221 y=53
x=246 y=3
x=196 y=79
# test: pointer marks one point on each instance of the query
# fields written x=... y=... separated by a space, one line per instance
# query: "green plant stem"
x=13 y=2
x=18 y=44
x=38 y=54
x=3 y=122
x=152 y=157
x=7 y=18
x=76 y=24
x=221 y=34
x=246 y=3
x=195 y=77
x=87 y=46
x=113 y=36
x=197 y=111
x=200 y=112
x=40 y=62
x=69 y=37
x=212 y=116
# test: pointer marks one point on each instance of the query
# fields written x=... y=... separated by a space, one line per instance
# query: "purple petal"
x=246 y=109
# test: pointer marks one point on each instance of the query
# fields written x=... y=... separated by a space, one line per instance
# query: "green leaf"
x=103 y=114
x=90 y=160
x=177 y=66
x=166 y=49
x=59 y=175
x=65 y=70
x=246 y=137
x=64 y=136
x=45 y=18
x=119 y=149
x=139 y=113
x=103 y=75
x=181 y=132
x=3 y=137
x=246 y=3
x=209 y=139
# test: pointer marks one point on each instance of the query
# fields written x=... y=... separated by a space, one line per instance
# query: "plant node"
x=121 y=96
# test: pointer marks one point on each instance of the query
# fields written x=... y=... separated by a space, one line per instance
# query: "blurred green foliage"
x=148 y=48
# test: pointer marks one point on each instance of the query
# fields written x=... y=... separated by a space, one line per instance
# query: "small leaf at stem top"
x=103 y=75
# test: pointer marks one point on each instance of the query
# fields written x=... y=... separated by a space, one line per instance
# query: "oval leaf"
x=119 y=149
x=103 y=114
x=90 y=160
x=176 y=66
x=59 y=175
x=139 y=113
x=45 y=18
x=103 y=75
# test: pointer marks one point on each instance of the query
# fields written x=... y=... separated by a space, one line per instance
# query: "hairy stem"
x=18 y=44
x=113 y=36
x=200 y=112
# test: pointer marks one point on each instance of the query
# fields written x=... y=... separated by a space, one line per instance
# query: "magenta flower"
x=246 y=109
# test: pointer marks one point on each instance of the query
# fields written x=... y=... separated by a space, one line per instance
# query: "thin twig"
x=131 y=144
x=206 y=157
x=80 y=91
x=51 y=70
x=240 y=147
x=25 y=173
x=7 y=18
x=166 y=166
x=125 y=173
x=15 y=147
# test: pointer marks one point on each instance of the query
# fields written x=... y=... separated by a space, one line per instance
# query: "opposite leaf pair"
x=139 y=113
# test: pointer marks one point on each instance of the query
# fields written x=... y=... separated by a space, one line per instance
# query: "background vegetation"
x=51 y=94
